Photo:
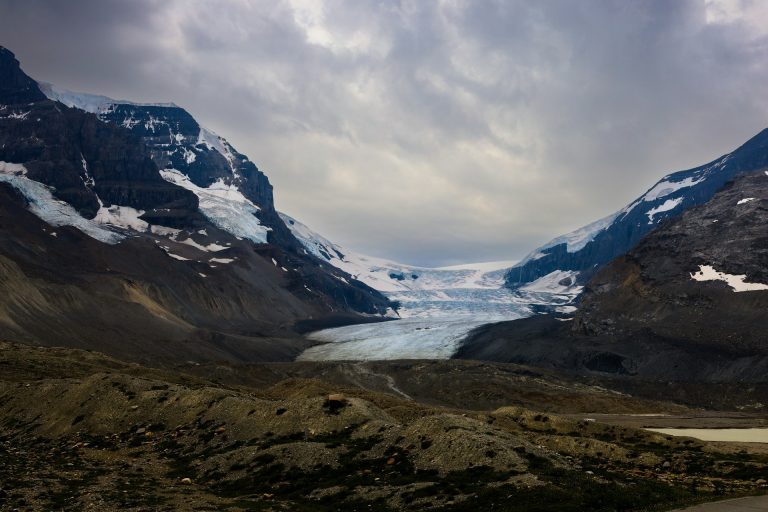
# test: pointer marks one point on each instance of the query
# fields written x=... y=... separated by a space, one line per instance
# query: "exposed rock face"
x=652 y=288
x=174 y=285
x=15 y=86
x=84 y=160
x=588 y=249
x=175 y=140
x=644 y=316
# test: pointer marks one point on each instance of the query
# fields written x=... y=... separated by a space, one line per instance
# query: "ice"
x=736 y=282
x=487 y=266
x=438 y=306
x=558 y=282
x=189 y=156
x=164 y=231
x=434 y=322
x=121 y=216
x=48 y=208
x=398 y=339
x=669 y=204
x=94 y=103
x=11 y=169
x=225 y=206
x=215 y=142
x=222 y=260
x=213 y=247
x=664 y=188
x=745 y=200
x=575 y=240
x=389 y=276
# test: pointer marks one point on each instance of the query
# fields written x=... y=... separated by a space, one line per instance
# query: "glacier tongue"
x=225 y=206
x=51 y=210
x=439 y=306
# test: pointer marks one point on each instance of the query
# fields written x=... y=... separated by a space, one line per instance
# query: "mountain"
x=389 y=276
x=701 y=279
x=587 y=249
x=461 y=293
x=686 y=305
x=131 y=229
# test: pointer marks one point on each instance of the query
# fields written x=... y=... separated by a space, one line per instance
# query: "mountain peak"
x=15 y=86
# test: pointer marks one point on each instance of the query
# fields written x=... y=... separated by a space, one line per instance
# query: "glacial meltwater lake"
x=741 y=435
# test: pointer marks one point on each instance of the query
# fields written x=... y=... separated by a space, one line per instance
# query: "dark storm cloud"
x=429 y=132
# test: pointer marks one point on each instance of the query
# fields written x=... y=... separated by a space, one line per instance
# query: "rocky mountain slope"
x=106 y=244
x=701 y=279
x=687 y=304
x=589 y=248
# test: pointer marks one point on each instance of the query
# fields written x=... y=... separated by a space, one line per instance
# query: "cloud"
x=429 y=132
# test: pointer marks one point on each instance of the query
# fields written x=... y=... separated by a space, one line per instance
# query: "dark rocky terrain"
x=670 y=197
x=651 y=287
x=81 y=431
x=159 y=293
x=645 y=321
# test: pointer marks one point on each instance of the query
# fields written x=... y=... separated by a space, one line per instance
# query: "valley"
x=170 y=340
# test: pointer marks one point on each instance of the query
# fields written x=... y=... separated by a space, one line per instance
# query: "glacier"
x=438 y=306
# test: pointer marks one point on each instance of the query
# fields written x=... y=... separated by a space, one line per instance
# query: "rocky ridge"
x=97 y=240
x=587 y=249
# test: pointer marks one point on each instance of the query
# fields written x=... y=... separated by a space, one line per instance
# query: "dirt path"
x=360 y=370
x=750 y=504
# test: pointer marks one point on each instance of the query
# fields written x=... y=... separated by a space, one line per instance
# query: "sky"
x=429 y=132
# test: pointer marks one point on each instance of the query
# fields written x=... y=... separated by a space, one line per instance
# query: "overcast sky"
x=429 y=132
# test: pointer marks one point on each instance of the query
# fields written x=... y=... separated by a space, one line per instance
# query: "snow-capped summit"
x=587 y=249
x=176 y=141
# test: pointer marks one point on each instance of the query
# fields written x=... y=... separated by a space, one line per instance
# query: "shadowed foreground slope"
x=81 y=431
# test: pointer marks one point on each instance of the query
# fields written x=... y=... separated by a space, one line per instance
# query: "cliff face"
x=102 y=249
x=15 y=86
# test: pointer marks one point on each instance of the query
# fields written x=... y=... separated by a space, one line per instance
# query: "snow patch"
x=669 y=204
x=737 y=282
x=48 y=208
x=205 y=248
x=12 y=169
x=164 y=231
x=745 y=200
x=14 y=115
x=121 y=216
x=556 y=282
x=225 y=206
x=664 y=188
x=222 y=260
